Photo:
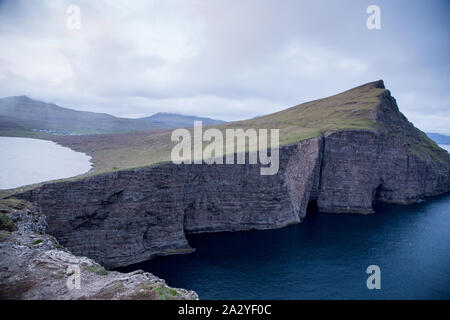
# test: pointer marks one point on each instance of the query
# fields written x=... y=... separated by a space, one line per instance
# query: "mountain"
x=175 y=120
x=22 y=116
x=367 y=107
x=27 y=115
x=439 y=138
x=341 y=154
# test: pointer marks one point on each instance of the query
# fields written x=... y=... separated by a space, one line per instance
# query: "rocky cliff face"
x=129 y=216
x=361 y=168
x=34 y=265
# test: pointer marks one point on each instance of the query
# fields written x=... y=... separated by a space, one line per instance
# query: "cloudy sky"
x=226 y=59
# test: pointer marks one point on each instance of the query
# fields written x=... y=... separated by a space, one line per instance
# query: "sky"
x=225 y=59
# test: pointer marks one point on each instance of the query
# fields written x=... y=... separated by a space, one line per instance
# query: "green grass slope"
x=353 y=109
x=367 y=107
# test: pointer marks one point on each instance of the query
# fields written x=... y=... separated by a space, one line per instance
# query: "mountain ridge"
x=438 y=137
x=366 y=107
x=177 y=120
x=23 y=116
x=363 y=151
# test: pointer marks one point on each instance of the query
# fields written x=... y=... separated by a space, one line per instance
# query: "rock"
x=42 y=272
x=129 y=216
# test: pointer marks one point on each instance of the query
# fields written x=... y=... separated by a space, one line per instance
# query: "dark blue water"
x=325 y=257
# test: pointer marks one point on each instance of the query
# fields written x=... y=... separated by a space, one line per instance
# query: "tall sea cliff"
x=120 y=218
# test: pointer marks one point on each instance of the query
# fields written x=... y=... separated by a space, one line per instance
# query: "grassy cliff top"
x=352 y=109
x=367 y=107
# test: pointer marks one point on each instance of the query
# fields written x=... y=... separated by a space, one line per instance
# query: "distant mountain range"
x=174 y=120
x=439 y=138
x=21 y=115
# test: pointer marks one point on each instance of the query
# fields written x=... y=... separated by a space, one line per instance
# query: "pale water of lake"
x=26 y=161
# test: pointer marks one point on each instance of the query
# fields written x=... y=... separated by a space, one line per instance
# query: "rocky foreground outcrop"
x=34 y=266
x=132 y=215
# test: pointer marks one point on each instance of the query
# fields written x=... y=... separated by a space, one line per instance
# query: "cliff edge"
x=345 y=153
x=34 y=265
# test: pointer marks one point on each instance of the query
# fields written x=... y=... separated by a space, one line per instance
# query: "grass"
x=97 y=270
x=6 y=223
x=397 y=126
x=153 y=291
x=37 y=241
x=165 y=293
x=58 y=275
x=7 y=205
x=4 y=235
x=110 y=292
x=352 y=109
x=173 y=292
x=355 y=109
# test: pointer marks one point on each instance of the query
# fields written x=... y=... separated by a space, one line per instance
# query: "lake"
x=26 y=161
x=325 y=257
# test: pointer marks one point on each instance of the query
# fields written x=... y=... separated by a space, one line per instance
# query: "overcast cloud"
x=225 y=59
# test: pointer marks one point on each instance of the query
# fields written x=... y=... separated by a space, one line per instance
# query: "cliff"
x=34 y=265
x=365 y=152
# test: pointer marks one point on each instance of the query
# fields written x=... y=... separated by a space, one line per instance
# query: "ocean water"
x=325 y=257
x=26 y=161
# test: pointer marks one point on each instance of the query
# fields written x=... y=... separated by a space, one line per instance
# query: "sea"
x=327 y=256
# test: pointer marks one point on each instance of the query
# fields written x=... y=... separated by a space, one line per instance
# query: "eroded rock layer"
x=34 y=265
x=130 y=216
